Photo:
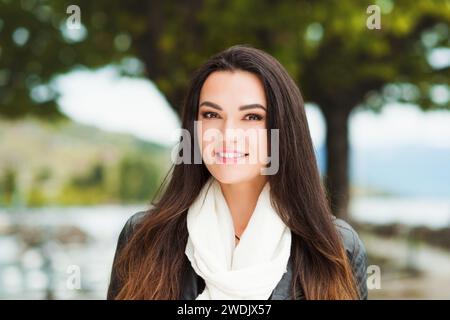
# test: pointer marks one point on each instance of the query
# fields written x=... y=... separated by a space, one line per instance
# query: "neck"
x=241 y=199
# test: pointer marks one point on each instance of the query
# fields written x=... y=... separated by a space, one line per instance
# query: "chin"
x=233 y=176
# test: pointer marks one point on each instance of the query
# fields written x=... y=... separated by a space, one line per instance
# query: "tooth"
x=230 y=155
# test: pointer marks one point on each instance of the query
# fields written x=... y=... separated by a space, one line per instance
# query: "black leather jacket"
x=193 y=284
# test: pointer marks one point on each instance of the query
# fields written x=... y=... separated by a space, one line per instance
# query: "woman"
x=251 y=219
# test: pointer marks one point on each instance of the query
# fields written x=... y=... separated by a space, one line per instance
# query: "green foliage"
x=81 y=166
x=326 y=46
x=133 y=179
x=95 y=178
x=37 y=197
x=8 y=186
x=85 y=189
x=72 y=195
x=138 y=178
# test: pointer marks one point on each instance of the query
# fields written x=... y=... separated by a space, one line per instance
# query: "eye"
x=254 y=117
x=209 y=115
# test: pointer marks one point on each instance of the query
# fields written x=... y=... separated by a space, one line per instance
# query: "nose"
x=228 y=129
x=232 y=134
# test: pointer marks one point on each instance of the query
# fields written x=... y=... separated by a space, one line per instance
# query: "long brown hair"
x=151 y=264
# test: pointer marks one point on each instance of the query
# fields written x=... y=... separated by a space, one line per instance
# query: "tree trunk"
x=337 y=173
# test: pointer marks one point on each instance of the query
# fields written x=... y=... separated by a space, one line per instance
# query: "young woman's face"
x=232 y=126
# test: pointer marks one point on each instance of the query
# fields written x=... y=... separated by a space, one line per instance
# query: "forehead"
x=231 y=89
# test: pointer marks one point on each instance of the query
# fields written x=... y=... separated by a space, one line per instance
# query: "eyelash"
x=206 y=113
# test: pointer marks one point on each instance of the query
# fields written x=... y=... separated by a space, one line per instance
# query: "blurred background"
x=90 y=97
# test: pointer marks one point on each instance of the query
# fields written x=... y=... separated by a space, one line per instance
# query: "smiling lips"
x=230 y=156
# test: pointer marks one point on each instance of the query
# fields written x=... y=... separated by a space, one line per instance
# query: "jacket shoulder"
x=124 y=236
x=133 y=221
x=356 y=252
x=350 y=237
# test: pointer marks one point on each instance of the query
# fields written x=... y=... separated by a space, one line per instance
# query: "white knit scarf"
x=250 y=270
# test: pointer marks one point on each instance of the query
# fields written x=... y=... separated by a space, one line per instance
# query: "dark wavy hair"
x=151 y=264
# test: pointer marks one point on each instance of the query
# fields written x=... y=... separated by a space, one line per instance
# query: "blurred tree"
x=87 y=188
x=94 y=178
x=137 y=178
x=337 y=61
x=8 y=186
x=37 y=196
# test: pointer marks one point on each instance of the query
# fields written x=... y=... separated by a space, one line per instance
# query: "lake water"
x=434 y=213
x=24 y=272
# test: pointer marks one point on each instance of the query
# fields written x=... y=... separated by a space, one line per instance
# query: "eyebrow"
x=241 y=108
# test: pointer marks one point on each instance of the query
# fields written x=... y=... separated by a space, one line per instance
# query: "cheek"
x=259 y=147
x=263 y=146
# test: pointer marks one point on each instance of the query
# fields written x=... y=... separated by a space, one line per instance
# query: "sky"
x=108 y=101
